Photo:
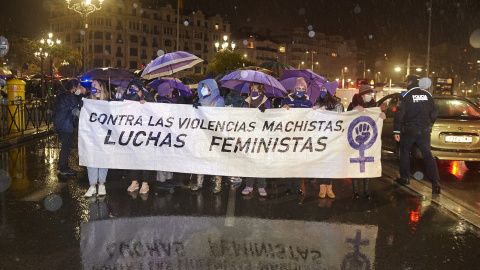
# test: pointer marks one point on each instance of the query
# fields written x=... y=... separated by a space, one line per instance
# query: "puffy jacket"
x=64 y=118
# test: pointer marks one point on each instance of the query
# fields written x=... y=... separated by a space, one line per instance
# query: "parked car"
x=455 y=134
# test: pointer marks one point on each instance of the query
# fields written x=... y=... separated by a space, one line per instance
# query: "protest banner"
x=230 y=141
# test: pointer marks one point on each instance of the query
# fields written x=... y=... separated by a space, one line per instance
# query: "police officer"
x=413 y=123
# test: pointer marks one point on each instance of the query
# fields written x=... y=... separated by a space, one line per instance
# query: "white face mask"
x=367 y=98
x=78 y=91
x=118 y=95
x=204 y=91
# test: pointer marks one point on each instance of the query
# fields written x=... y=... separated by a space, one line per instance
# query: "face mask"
x=323 y=94
x=133 y=91
x=204 y=91
x=78 y=91
x=367 y=98
x=254 y=94
x=300 y=93
x=118 y=96
x=93 y=90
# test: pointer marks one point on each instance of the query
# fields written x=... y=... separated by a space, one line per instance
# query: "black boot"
x=355 y=188
x=436 y=190
x=404 y=182
x=366 y=187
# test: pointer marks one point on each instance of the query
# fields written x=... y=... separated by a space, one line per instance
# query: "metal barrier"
x=19 y=115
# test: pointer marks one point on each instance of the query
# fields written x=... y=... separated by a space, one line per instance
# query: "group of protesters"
x=69 y=102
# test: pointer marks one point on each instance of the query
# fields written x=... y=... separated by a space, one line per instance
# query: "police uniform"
x=413 y=121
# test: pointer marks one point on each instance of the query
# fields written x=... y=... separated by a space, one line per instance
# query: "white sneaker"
x=235 y=179
x=92 y=190
x=101 y=190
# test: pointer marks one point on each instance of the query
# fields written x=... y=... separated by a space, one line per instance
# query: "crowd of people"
x=69 y=102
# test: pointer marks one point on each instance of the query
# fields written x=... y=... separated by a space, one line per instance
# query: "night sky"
x=394 y=22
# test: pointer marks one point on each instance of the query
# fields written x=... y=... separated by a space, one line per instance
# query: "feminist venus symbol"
x=365 y=136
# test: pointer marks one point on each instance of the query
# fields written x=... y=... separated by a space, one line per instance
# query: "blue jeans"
x=96 y=175
x=66 y=139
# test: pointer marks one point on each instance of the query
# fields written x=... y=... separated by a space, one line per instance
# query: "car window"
x=448 y=108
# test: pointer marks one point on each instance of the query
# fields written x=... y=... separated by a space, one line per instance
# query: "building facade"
x=124 y=34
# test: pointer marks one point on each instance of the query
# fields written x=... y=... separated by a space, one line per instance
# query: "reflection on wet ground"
x=47 y=223
x=460 y=183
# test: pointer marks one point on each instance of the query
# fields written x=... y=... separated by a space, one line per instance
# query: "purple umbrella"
x=314 y=82
x=240 y=80
x=113 y=75
x=166 y=86
x=170 y=63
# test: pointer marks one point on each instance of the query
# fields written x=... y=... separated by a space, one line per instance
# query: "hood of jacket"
x=212 y=85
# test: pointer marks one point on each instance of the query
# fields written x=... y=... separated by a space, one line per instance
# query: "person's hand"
x=262 y=109
x=323 y=108
x=359 y=108
x=397 y=137
x=382 y=115
x=286 y=107
x=315 y=107
x=142 y=101
x=196 y=104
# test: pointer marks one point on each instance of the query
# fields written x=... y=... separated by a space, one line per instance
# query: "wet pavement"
x=47 y=223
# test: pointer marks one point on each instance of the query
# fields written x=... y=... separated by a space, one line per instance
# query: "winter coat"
x=265 y=103
x=234 y=99
x=331 y=103
x=357 y=100
x=212 y=100
x=294 y=101
x=417 y=107
x=64 y=119
x=135 y=97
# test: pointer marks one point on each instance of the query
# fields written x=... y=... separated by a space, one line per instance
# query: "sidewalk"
x=31 y=134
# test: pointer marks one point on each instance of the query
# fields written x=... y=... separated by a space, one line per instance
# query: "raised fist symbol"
x=362 y=133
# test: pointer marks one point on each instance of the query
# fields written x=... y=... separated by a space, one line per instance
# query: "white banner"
x=197 y=243
x=230 y=141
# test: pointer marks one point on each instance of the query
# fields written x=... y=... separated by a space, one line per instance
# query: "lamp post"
x=41 y=54
x=49 y=43
x=343 y=76
x=84 y=8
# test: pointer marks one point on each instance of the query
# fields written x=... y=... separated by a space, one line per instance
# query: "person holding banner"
x=96 y=176
x=65 y=109
x=257 y=99
x=137 y=91
x=329 y=102
x=209 y=95
x=165 y=179
x=364 y=99
x=297 y=99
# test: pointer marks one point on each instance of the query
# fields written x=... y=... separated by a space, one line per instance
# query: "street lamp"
x=343 y=76
x=311 y=53
x=49 y=43
x=84 y=8
x=42 y=54
x=225 y=44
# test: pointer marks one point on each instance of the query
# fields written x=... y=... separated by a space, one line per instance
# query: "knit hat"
x=364 y=89
x=138 y=83
x=300 y=81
